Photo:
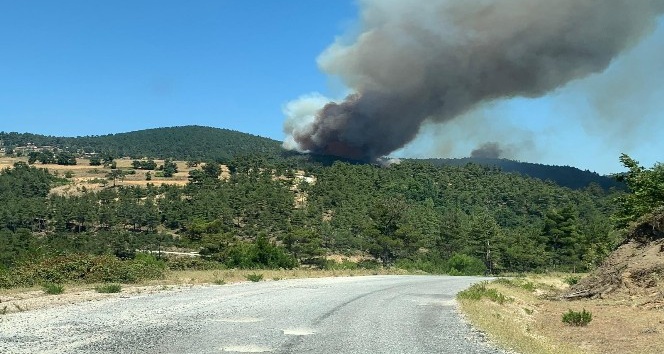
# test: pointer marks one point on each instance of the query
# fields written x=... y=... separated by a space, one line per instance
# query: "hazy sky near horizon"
x=76 y=67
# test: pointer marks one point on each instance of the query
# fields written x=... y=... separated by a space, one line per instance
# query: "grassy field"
x=529 y=320
x=84 y=175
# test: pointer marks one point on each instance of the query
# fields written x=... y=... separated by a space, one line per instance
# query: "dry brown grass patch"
x=532 y=322
x=240 y=275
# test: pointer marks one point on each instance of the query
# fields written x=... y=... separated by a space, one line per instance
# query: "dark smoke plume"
x=488 y=150
x=432 y=60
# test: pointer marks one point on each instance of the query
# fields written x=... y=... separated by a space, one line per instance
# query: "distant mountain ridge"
x=206 y=143
x=565 y=176
x=181 y=142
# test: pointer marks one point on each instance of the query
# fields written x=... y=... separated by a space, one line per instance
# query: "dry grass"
x=532 y=324
x=25 y=299
x=9 y=161
x=84 y=174
x=236 y=275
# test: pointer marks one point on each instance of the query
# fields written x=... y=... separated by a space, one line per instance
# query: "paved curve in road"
x=377 y=314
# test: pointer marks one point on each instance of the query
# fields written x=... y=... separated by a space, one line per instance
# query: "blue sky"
x=97 y=67
x=71 y=68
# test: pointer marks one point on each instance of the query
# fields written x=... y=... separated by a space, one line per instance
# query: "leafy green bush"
x=431 y=266
x=575 y=318
x=255 y=277
x=53 y=289
x=461 y=264
x=260 y=254
x=572 y=280
x=368 y=264
x=108 y=288
x=480 y=290
x=82 y=268
x=192 y=263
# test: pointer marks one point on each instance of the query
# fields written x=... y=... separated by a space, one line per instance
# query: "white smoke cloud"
x=300 y=114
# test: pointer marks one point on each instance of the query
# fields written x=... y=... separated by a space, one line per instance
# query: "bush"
x=255 y=277
x=572 y=280
x=527 y=285
x=480 y=290
x=517 y=283
x=83 y=268
x=53 y=289
x=192 y=263
x=368 y=264
x=343 y=265
x=108 y=288
x=575 y=318
x=431 y=266
x=261 y=254
x=461 y=264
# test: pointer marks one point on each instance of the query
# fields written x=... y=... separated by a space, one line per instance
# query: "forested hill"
x=565 y=176
x=181 y=143
x=206 y=143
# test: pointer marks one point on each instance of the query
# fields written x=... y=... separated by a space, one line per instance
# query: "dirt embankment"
x=635 y=271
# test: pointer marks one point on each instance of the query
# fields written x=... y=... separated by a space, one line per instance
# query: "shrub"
x=480 y=290
x=461 y=264
x=255 y=277
x=83 y=268
x=517 y=283
x=431 y=266
x=192 y=263
x=575 y=318
x=53 y=289
x=504 y=281
x=572 y=280
x=527 y=285
x=368 y=264
x=260 y=254
x=108 y=288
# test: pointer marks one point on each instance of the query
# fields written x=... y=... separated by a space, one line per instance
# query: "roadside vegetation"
x=108 y=288
x=616 y=308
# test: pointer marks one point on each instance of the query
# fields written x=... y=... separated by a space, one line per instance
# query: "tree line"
x=413 y=215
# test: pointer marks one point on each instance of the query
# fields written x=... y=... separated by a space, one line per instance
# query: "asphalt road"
x=377 y=314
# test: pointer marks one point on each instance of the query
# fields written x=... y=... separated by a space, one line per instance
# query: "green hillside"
x=181 y=143
x=565 y=176
x=206 y=143
x=412 y=215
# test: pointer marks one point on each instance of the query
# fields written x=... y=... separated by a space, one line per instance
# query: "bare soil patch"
x=634 y=273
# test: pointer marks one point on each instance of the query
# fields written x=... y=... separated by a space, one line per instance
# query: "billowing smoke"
x=420 y=61
x=490 y=150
